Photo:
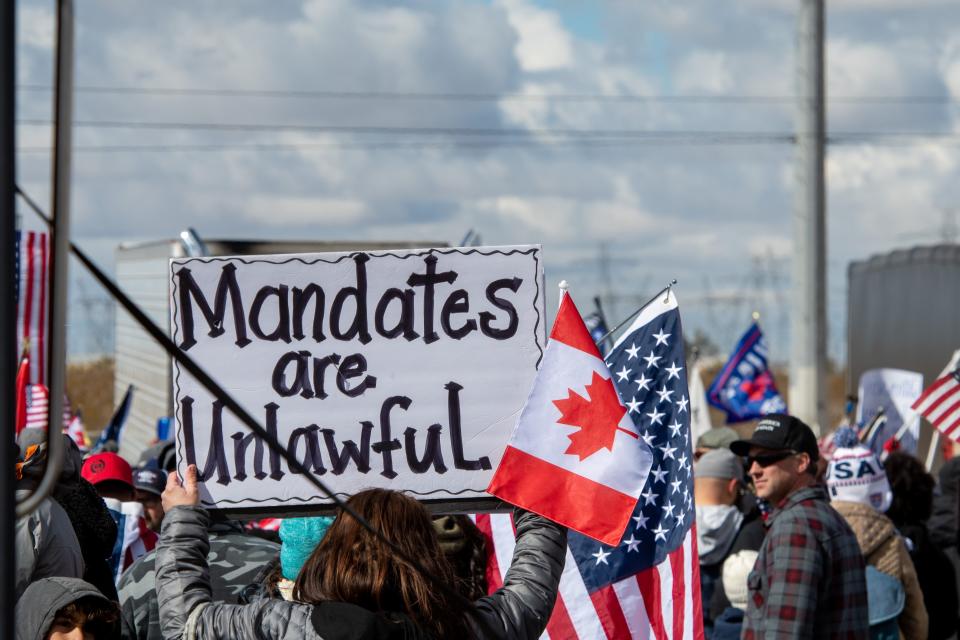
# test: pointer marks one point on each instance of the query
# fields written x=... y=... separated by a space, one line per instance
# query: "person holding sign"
x=352 y=586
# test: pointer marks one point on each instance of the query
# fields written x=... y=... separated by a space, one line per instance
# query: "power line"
x=414 y=145
x=409 y=130
x=481 y=96
x=495 y=132
x=467 y=145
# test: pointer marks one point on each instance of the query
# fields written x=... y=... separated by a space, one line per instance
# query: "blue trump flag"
x=744 y=388
x=597 y=326
x=114 y=429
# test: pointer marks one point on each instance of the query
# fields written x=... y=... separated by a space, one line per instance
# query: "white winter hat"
x=736 y=568
x=855 y=474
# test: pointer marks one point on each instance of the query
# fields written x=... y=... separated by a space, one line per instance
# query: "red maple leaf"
x=597 y=418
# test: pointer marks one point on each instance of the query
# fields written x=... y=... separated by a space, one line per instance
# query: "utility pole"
x=605 y=278
x=809 y=325
x=8 y=323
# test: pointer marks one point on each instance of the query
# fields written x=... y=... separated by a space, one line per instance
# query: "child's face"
x=61 y=631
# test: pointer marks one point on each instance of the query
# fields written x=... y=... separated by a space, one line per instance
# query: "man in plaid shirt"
x=809 y=580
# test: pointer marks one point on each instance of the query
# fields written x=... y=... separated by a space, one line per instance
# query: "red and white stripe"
x=32 y=306
x=940 y=404
x=657 y=603
x=267 y=524
x=38 y=406
x=136 y=539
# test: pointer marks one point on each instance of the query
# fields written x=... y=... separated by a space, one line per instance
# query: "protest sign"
x=397 y=369
x=892 y=390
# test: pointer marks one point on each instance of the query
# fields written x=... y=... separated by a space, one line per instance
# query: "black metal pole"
x=8 y=320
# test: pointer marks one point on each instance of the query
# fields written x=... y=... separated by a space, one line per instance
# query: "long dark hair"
x=351 y=565
x=912 y=489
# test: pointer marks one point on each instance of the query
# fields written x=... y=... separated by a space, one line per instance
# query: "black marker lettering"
x=282 y=330
x=311 y=459
x=405 y=323
x=458 y=302
x=354 y=365
x=387 y=445
x=301 y=378
x=432 y=455
x=487 y=318
x=456 y=437
x=360 y=455
x=428 y=280
x=359 y=293
x=301 y=297
x=189 y=290
x=216 y=458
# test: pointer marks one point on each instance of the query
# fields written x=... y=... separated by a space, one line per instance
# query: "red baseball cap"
x=106 y=466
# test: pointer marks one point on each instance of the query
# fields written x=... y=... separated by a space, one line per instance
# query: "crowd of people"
x=792 y=542
x=90 y=563
x=795 y=542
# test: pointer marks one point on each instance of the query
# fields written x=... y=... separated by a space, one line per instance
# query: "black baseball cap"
x=780 y=432
x=150 y=479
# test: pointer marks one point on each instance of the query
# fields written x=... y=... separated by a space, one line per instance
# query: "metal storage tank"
x=143 y=273
x=903 y=311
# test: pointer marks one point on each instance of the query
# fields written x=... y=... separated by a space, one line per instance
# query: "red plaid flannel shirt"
x=809 y=580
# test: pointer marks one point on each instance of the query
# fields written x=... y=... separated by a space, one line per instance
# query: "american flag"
x=134 y=539
x=32 y=263
x=940 y=404
x=649 y=585
x=38 y=404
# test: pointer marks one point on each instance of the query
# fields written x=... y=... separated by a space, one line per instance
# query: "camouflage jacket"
x=235 y=560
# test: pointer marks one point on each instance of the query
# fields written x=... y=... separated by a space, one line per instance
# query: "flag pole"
x=630 y=317
x=60 y=255
x=8 y=324
x=932 y=449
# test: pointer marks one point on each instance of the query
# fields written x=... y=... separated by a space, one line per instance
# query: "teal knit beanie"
x=299 y=537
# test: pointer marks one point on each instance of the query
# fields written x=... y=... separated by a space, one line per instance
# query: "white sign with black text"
x=396 y=369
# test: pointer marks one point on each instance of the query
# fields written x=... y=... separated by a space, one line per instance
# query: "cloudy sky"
x=637 y=141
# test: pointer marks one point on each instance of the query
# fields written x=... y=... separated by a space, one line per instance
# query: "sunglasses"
x=767 y=459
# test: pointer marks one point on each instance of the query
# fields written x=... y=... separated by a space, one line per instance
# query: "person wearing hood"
x=92 y=523
x=65 y=609
x=860 y=492
x=45 y=542
x=722 y=525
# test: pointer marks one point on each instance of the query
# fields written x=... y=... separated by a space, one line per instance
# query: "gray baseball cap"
x=718 y=463
x=717 y=438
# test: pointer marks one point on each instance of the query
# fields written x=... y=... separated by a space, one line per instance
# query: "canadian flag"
x=575 y=455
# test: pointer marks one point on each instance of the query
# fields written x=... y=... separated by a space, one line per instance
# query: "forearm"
x=522 y=607
x=183 y=580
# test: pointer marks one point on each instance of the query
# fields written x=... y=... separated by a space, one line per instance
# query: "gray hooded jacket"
x=38 y=607
x=46 y=545
x=518 y=610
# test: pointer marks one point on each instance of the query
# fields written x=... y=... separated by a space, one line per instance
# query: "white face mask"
x=717 y=526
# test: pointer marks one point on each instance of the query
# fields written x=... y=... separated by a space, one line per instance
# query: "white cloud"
x=544 y=44
x=704 y=72
x=281 y=209
x=696 y=211
x=35 y=27
x=862 y=69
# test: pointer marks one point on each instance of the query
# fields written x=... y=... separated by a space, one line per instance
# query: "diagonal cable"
x=251 y=423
